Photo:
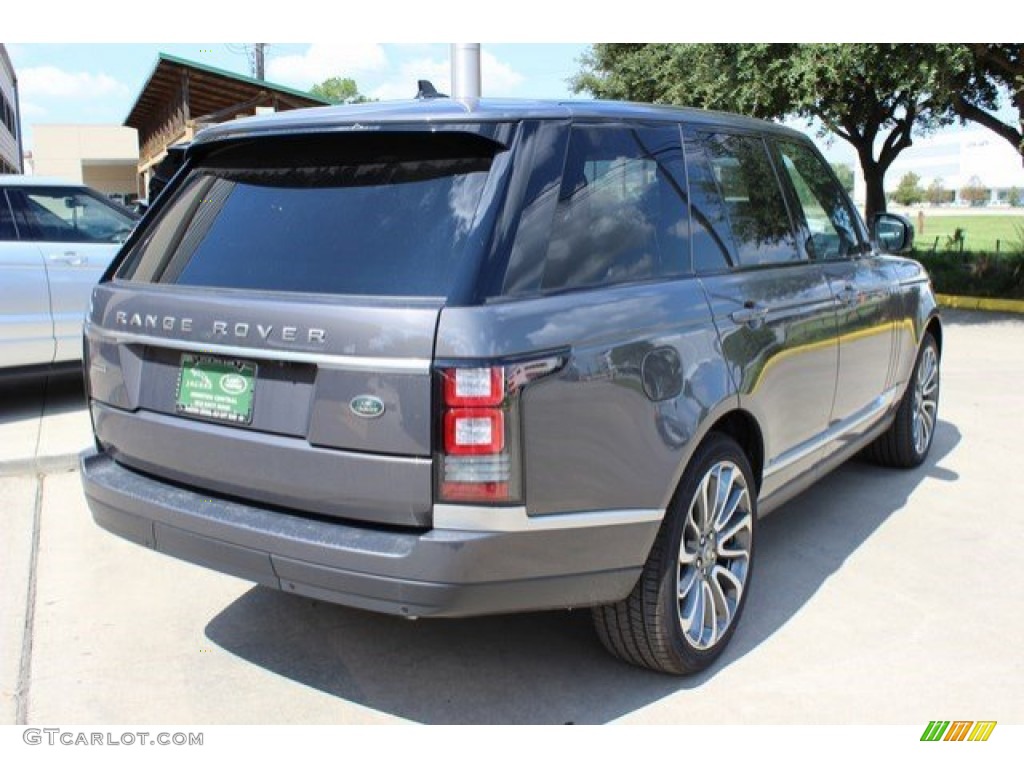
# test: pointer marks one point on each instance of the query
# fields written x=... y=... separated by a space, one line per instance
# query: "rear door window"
x=737 y=195
x=620 y=215
x=366 y=215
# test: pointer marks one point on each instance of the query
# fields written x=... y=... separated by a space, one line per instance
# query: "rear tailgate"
x=270 y=335
x=306 y=435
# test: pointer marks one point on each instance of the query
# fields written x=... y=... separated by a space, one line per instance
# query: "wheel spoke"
x=692 y=612
x=722 y=496
x=722 y=604
x=734 y=581
x=710 y=614
x=726 y=519
x=686 y=581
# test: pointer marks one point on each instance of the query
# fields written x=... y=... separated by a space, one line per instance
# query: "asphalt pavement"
x=878 y=597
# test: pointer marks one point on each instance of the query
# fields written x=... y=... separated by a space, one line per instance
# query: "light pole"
x=465 y=58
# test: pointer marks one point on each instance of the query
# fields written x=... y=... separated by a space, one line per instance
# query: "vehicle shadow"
x=549 y=668
x=26 y=398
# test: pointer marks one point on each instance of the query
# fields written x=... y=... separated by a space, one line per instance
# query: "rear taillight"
x=476 y=462
x=480 y=458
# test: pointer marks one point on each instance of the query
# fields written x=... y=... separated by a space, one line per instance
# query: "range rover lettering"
x=450 y=358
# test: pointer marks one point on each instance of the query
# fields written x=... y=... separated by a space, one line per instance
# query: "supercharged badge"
x=367 y=406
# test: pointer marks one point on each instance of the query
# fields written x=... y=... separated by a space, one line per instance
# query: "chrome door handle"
x=71 y=258
x=752 y=314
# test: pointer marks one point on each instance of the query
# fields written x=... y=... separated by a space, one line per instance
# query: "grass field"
x=982 y=232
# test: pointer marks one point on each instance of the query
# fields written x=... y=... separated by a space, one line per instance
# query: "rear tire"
x=685 y=607
x=907 y=441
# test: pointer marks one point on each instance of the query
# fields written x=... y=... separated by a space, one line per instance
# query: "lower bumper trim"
x=407 y=573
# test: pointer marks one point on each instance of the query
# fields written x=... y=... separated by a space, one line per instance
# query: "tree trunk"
x=874 y=177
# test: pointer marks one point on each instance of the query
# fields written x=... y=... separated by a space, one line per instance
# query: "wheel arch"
x=742 y=427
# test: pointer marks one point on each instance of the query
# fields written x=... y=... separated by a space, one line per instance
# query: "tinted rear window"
x=364 y=215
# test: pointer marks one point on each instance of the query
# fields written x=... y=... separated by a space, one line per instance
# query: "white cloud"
x=53 y=82
x=497 y=78
x=30 y=109
x=402 y=85
x=321 y=61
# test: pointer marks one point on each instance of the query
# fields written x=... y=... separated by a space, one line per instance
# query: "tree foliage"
x=937 y=194
x=844 y=173
x=909 y=191
x=339 y=90
x=974 y=192
x=875 y=96
x=973 y=87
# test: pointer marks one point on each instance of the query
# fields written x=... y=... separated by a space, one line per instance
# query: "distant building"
x=104 y=157
x=954 y=157
x=181 y=97
x=10 y=117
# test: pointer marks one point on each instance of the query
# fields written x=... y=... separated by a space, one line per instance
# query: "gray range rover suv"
x=447 y=358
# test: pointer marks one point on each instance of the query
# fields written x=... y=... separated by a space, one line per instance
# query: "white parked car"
x=56 y=239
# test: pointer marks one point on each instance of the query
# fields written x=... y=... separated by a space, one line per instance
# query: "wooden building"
x=181 y=97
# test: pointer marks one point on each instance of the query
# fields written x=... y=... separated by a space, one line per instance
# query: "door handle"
x=752 y=314
x=71 y=258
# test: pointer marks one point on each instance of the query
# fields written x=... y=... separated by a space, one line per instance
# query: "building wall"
x=955 y=157
x=10 y=152
x=102 y=156
x=110 y=179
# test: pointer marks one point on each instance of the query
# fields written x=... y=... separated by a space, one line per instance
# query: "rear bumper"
x=408 y=573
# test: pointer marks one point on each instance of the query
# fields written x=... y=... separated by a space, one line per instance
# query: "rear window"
x=380 y=215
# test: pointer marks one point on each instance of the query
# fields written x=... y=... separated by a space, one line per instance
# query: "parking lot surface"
x=878 y=597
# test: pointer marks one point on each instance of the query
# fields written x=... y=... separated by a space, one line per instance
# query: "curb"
x=974 y=302
x=39 y=465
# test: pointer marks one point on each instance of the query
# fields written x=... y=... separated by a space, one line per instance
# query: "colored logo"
x=234 y=384
x=958 y=730
x=367 y=406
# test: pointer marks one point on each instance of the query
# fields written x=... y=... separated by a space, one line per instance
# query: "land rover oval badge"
x=367 y=406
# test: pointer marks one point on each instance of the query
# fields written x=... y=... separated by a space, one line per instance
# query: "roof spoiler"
x=426 y=90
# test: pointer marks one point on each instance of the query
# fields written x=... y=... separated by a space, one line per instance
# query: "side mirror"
x=893 y=233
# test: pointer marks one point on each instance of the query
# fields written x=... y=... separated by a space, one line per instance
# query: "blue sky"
x=98 y=83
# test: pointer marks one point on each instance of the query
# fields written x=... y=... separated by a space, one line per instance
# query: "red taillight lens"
x=474 y=386
x=476 y=462
x=479 y=458
x=473 y=431
x=475 y=491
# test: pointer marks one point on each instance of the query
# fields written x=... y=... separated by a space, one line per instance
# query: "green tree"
x=875 y=96
x=909 y=191
x=936 y=194
x=974 y=192
x=844 y=173
x=1013 y=197
x=339 y=90
x=973 y=88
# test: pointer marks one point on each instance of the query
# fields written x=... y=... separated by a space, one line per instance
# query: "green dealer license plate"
x=215 y=388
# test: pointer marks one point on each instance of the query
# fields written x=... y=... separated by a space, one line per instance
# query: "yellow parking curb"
x=974 y=302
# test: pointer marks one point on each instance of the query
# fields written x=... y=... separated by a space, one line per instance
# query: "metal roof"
x=446 y=110
x=209 y=90
x=21 y=180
